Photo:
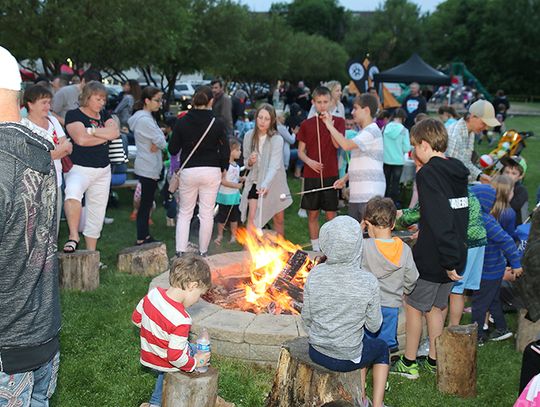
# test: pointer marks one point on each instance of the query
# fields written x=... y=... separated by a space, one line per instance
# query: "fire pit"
x=257 y=296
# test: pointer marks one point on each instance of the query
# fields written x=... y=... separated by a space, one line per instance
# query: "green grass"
x=100 y=347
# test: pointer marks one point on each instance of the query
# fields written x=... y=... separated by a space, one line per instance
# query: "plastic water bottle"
x=203 y=345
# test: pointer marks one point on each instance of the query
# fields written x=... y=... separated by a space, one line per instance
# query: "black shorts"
x=326 y=200
x=252 y=194
x=228 y=213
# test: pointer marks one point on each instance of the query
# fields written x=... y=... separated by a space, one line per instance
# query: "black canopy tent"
x=415 y=69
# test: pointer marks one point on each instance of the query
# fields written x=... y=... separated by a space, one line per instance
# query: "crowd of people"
x=465 y=235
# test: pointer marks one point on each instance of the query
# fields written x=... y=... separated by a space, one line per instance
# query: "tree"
x=322 y=17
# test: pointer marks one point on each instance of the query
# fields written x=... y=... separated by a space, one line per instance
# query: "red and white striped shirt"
x=165 y=326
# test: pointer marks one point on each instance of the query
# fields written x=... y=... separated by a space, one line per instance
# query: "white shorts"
x=94 y=185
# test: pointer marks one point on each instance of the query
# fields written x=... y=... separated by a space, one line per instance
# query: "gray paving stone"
x=201 y=310
x=268 y=353
x=267 y=329
x=230 y=349
x=227 y=325
x=160 y=281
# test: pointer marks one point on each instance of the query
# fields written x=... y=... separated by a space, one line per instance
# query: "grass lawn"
x=100 y=347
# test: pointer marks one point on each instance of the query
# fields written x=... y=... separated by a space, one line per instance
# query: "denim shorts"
x=374 y=351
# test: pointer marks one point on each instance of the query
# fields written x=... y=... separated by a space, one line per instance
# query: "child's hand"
x=327 y=119
x=154 y=148
x=339 y=184
x=453 y=275
x=315 y=165
x=518 y=272
x=202 y=358
x=399 y=213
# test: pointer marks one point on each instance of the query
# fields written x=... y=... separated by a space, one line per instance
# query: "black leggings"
x=530 y=366
x=148 y=190
x=392 y=173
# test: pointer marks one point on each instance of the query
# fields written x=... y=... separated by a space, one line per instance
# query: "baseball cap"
x=485 y=111
x=516 y=160
x=10 y=77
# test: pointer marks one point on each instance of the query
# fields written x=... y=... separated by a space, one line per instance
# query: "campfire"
x=275 y=284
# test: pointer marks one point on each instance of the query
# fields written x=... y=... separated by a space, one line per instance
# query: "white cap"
x=10 y=77
x=485 y=111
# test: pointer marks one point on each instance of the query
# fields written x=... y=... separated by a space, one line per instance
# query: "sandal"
x=71 y=246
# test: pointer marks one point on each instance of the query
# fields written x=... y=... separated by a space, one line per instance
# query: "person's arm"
x=109 y=132
x=411 y=274
x=62 y=149
x=373 y=311
x=230 y=184
x=124 y=103
x=462 y=150
x=59 y=118
x=504 y=241
x=178 y=349
x=148 y=128
x=246 y=150
x=314 y=165
x=57 y=106
x=406 y=145
x=80 y=136
x=287 y=137
x=275 y=162
x=136 y=317
x=306 y=312
x=337 y=137
x=227 y=113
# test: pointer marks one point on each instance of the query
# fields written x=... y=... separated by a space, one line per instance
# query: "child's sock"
x=315 y=245
x=408 y=362
x=432 y=362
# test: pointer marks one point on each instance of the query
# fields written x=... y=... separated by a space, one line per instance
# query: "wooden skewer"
x=319 y=145
x=315 y=190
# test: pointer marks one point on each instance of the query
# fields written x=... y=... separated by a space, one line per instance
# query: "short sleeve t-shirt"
x=66 y=99
x=308 y=135
x=95 y=156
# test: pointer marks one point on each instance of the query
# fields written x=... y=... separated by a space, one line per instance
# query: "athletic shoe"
x=108 y=221
x=400 y=368
x=500 y=335
x=302 y=213
x=425 y=365
x=481 y=341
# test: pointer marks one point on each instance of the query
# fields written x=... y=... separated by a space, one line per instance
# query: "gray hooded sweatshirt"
x=340 y=298
x=394 y=280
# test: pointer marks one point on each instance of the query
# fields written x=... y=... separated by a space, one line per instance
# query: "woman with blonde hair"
x=266 y=193
x=91 y=130
x=336 y=108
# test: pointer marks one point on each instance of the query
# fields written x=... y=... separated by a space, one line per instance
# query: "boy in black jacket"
x=440 y=252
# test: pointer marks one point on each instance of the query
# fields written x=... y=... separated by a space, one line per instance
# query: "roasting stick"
x=319 y=145
x=285 y=196
x=260 y=208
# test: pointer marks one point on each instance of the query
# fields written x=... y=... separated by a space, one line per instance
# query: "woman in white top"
x=266 y=193
x=37 y=100
x=336 y=108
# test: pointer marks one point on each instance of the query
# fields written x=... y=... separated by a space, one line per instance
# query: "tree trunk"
x=456 y=360
x=298 y=381
x=527 y=331
x=79 y=270
x=147 y=260
x=190 y=389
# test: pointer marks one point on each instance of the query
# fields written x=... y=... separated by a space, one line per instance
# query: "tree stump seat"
x=299 y=381
x=148 y=259
x=527 y=330
x=79 y=270
x=190 y=389
x=456 y=360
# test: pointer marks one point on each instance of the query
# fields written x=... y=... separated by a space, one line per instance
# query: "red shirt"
x=308 y=135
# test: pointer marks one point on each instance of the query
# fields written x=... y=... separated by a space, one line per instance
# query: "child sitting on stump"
x=165 y=323
x=391 y=261
x=340 y=301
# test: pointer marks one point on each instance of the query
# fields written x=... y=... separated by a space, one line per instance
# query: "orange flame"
x=269 y=254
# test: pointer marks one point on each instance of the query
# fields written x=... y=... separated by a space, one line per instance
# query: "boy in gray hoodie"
x=340 y=300
x=391 y=261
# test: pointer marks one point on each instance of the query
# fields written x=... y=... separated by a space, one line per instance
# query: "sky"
x=355 y=5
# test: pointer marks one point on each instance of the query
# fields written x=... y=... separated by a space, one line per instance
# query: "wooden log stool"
x=148 y=259
x=79 y=270
x=301 y=382
x=527 y=331
x=456 y=360
x=190 y=389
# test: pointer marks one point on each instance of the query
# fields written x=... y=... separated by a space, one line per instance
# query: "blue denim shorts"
x=374 y=351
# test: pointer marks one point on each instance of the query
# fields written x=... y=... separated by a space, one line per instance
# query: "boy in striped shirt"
x=165 y=323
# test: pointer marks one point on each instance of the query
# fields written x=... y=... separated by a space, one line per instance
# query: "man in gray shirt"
x=67 y=98
x=222 y=106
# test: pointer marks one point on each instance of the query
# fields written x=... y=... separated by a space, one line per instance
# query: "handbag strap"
x=198 y=144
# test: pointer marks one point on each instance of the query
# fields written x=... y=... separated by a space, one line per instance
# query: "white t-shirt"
x=54 y=129
x=366 y=173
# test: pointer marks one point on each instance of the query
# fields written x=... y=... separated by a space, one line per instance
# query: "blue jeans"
x=374 y=351
x=30 y=389
x=388 y=330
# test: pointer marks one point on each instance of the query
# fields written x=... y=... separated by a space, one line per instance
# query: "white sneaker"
x=302 y=213
x=108 y=221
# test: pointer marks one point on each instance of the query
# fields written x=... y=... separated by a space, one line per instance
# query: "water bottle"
x=203 y=345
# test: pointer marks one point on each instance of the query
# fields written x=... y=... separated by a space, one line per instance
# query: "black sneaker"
x=500 y=335
x=481 y=341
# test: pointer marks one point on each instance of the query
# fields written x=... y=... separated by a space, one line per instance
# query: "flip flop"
x=71 y=246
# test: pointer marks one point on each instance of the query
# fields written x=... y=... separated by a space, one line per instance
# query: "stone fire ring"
x=239 y=334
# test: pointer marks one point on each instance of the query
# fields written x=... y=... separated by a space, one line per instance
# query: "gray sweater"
x=341 y=299
x=147 y=132
x=394 y=280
